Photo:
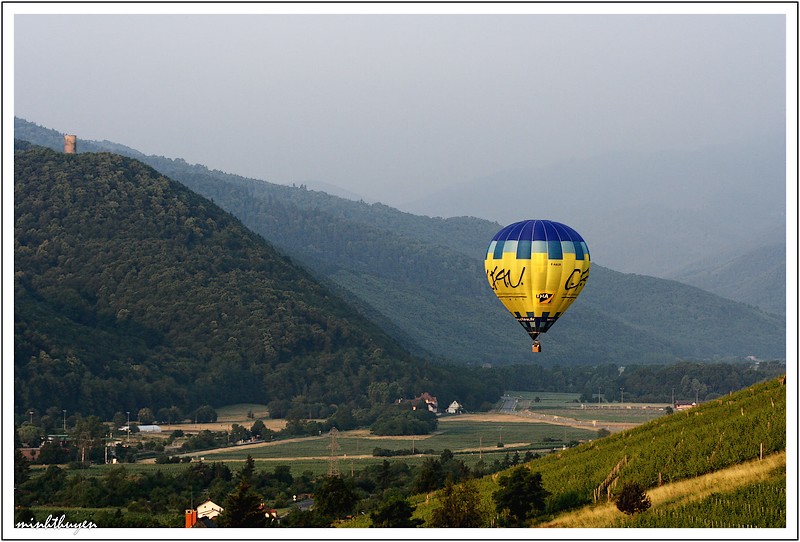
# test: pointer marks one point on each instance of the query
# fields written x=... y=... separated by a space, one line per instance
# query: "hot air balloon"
x=537 y=268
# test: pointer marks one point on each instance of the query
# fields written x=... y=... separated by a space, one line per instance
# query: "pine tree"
x=248 y=470
x=242 y=508
x=335 y=497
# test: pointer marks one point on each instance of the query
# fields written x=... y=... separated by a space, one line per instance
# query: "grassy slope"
x=684 y=448
x=672 y=499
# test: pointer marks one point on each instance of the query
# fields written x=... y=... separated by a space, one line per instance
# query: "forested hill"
x=133 y=291
x=422 y=280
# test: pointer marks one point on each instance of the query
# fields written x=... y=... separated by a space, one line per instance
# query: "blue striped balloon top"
x=538 y=237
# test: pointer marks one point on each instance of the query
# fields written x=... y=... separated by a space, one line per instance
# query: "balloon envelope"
x=537 y=268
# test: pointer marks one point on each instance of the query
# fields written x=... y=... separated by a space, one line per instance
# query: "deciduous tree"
x=395 y=512
x=520 y=495
x=459 y=506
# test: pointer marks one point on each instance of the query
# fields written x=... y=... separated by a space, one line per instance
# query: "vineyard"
x=709 y=437
x=741 y=427
x=762 y=504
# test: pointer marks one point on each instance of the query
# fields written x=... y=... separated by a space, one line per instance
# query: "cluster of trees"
x=402 y=419
x=641 y=383
x=519 y=497
x=153 y=498
x=133 y=292
x=157 y=498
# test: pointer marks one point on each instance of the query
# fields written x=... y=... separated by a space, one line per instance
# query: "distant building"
x=684 y=405
x=428 y=400
x=454 y=408
x=143 y=428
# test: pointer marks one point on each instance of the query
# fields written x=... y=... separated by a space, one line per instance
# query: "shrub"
x=632 y=499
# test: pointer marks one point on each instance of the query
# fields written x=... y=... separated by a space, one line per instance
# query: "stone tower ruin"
x=70 y=144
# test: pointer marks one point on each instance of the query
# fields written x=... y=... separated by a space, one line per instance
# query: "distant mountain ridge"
x=648 y=213
x=422 y=280
x=757 y=277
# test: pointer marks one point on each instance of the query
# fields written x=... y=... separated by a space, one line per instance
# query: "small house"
x=209 y=509
x=428 y=400
x=455 y=408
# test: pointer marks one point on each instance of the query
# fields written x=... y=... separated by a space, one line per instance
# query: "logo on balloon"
x=504 y=276
x=544 y=297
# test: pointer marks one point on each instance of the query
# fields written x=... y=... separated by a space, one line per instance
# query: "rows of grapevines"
x=762 y=504
x=712 y=436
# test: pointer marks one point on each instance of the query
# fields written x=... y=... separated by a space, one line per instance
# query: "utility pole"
x=622 y=391
x=65 y=421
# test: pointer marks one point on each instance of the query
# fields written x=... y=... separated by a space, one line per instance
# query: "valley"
x=253 y=312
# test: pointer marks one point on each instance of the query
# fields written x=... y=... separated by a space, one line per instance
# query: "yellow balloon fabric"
x=537 y=268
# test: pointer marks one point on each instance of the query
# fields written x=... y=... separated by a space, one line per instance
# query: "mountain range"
x=649 y=213
x=421 y=279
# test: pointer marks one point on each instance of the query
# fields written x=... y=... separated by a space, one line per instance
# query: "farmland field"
x=540 y=426
x=472 y=436
x=465 y=433
x=567 y=405
x=227 y=416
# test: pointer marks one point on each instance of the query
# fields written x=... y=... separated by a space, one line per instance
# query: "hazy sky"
x=393 y=106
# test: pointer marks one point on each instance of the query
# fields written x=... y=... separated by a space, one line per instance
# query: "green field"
x=238 y=413
x=456 y=435
x=546 y=398
x=567 y=405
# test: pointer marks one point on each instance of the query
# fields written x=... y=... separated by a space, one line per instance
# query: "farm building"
x=143 y=428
